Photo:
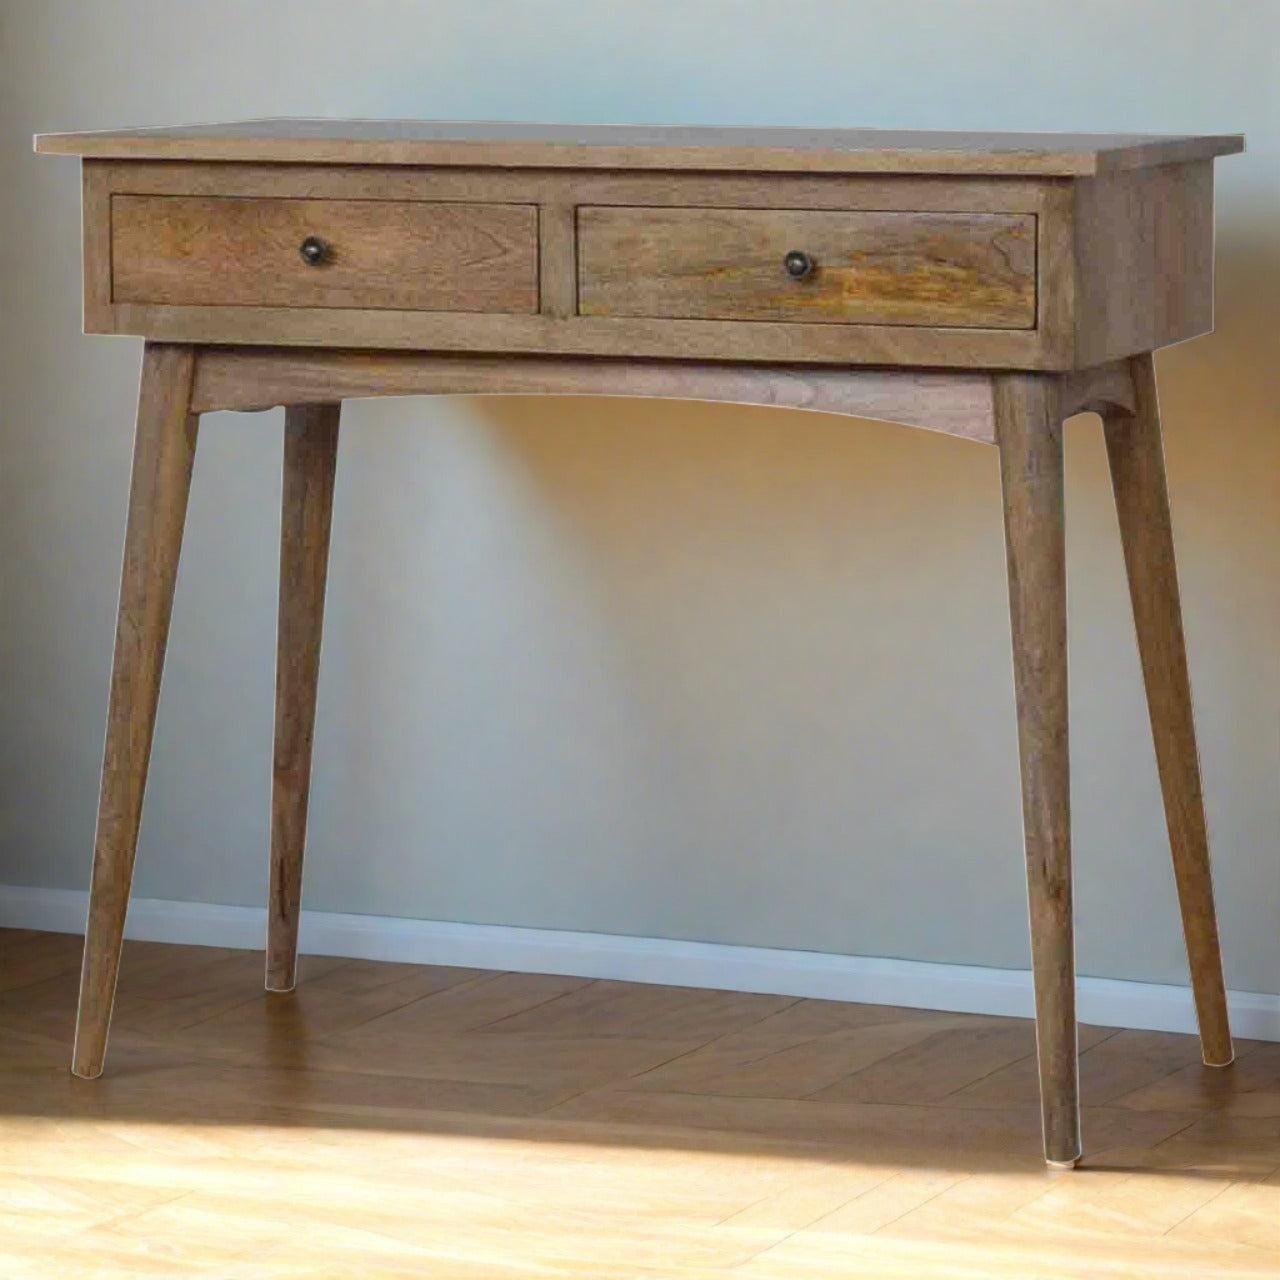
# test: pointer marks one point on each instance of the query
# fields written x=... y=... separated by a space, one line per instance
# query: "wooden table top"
x=497 y=143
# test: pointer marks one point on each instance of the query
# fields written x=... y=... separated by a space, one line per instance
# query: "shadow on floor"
x=530 y=1057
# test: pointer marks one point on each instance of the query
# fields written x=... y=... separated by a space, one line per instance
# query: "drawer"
x=965 y=270
x=371 y=254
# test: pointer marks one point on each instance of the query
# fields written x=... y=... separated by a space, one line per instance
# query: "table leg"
x=310 y=458
x=1136 y=454
x=1029 y=436
x=163 y=453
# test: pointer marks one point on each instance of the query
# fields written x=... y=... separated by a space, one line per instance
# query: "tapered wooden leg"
x=163 y=452
x=310 y=458
x=1029 y=436
x=1136 y=454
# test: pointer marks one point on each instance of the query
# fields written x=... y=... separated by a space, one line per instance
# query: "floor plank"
x=388 y=1121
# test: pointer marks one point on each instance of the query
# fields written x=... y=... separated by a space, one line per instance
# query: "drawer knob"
x=314 y=251
x=798 y=264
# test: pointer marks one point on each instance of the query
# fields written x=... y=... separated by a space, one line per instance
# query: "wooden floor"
x=396 y=1121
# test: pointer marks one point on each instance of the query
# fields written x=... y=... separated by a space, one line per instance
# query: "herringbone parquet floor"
x=396 y=1121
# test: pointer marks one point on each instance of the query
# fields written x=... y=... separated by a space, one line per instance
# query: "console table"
x=985 y=285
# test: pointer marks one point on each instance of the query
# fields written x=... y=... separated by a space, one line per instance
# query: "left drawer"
x=366 y=254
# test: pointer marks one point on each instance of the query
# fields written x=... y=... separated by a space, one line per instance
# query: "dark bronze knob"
x=314 y=251
x=797 y=264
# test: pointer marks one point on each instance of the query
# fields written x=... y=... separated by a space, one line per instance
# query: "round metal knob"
x=314 y=251
x=798 y=264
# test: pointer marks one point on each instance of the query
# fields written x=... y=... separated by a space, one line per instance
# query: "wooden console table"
x=985 y=285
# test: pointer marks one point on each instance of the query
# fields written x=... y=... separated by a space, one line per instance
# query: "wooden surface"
x=1136 y=453
x=310 y=462
x=501 y=185
x=394 y=1121
x=461 y=142
x=1029 y=438
x=1120 y=263
x=1104 y=389
x=760 y=341
x=1144 y=260
x=969 y=270
x=253 y=377
x=163 y=453
x=96 y=186
x=210 y=251
x=933 y=253
x=1021 y=413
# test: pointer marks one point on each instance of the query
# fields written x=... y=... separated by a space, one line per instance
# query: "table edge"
x=170 y=143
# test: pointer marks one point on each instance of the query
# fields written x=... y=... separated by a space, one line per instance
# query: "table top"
x=505 y=144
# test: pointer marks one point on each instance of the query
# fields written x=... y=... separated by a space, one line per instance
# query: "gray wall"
x=646 y=668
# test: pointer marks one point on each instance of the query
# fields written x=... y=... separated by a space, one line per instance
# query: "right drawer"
x=963 y=270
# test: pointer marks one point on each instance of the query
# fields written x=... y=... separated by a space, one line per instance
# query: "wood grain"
x=1056 y=274
x=1123 y=262
x=95 y=218
x=958 y=404
x=1144 y=260
x=1029 y=438
x=310 y=462
x=558 y=330
x=163 y=453
x=888 y=267
x=507 y=143
x=1136 y=454
x=557 y=268
x=1050 y=345
x=1002 y=257
x=387 y=1121
x=478 y=185
x=643 y=339
x=218 y=251
x=1104 y=389
x=1118 y=263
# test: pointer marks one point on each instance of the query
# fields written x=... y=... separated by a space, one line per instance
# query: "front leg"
x=163 y=453
x=1029 y=437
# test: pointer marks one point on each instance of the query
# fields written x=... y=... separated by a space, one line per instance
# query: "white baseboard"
x=865 y=979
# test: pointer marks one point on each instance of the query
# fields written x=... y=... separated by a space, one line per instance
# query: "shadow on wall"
x=1220 y=398
x=755 y=667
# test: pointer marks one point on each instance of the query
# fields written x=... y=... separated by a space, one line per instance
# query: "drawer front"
x=965 y=270
x=375 y=254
